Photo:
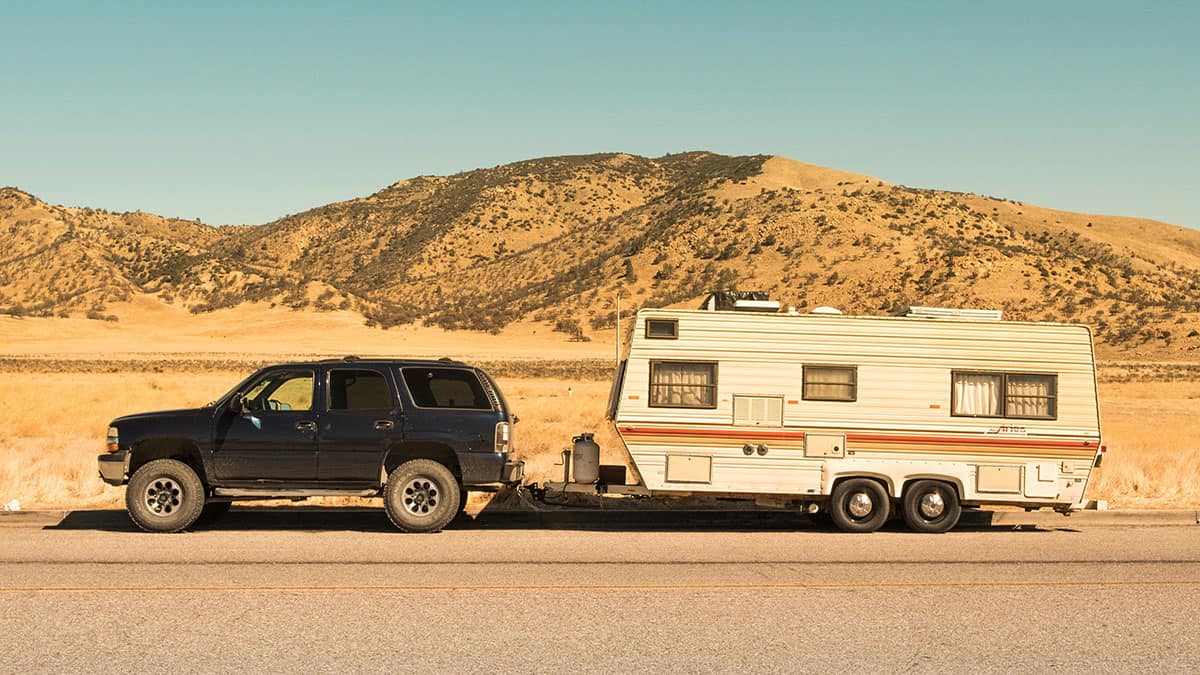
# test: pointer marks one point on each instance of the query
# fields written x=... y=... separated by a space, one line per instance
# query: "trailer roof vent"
x=826 y=309
x=740 y=301
x=954 y=313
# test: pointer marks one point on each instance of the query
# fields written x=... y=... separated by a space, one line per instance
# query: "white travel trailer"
x=860 y=415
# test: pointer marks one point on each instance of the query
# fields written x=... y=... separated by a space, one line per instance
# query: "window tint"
x=359 y=390
x=830 y=383
x=281 y=390
x=445 y=388
x=678 y=384
x=1018 y=395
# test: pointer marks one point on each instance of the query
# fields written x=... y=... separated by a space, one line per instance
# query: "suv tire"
x=421 y=495
x=164 y=495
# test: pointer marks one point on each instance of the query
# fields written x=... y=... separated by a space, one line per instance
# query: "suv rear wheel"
x=164 y=495
x=421 y=495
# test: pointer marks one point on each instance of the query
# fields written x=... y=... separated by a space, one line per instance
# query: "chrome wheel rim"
x=163 y=496
x=421 y=496
x=932 y=504
x=860 y=505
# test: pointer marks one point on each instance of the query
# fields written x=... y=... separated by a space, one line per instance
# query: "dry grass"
x=1152 y=430
x=55 y=422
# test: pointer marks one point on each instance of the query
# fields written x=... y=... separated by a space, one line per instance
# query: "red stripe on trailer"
x=877 y=438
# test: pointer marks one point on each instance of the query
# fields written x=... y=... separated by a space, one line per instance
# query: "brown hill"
x=553 y=240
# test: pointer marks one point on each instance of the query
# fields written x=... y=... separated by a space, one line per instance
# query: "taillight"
x=113 y=441
x=504 y=437
x=1100 y=456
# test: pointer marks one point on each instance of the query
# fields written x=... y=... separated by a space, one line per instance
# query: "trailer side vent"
x=758 y=411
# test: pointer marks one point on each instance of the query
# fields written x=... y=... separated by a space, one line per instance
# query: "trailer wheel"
x=421 y=495
x=164 y=495
x=931 y=506
x=859 y=505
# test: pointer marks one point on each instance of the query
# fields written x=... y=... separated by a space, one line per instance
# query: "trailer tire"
x=164 y=495
x=931 y=506
x=421 y=495
x=859 y=505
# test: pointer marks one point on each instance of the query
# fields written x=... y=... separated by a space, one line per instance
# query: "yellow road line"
x=593 y=587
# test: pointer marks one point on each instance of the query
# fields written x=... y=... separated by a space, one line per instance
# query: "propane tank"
x=585 y=459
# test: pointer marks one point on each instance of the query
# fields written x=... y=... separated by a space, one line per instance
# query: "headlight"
x=113 y=441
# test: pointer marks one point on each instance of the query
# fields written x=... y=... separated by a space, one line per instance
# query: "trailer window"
x=830 y=383
x=1017 y=395
x=679 y=384
x=1031 y=396
x=662 y=329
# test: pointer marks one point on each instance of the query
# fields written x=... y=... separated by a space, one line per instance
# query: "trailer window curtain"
x=830 y=383
x=1016 y=395
x=1032 y=396
x=977 y=394
x=676 y=384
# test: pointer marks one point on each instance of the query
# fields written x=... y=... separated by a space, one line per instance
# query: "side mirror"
x=515 y=419
x=237 y=404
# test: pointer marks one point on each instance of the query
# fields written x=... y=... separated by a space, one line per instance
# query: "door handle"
x=306 y=426
x=384 y=425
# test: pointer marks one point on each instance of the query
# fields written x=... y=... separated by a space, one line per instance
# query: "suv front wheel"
x=421 y=495
x=164 y=495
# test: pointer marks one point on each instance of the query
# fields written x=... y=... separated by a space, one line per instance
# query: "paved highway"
x=331 y=590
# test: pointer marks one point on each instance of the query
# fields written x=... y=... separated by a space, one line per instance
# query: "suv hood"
x=158 y=415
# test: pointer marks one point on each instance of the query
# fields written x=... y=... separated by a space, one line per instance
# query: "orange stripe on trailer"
x=711 y=433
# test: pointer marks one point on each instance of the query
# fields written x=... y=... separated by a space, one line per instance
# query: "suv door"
x=452 y=408
x=275 y=440
x=360 y=420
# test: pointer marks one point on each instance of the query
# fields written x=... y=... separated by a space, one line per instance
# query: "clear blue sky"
x=241 y=113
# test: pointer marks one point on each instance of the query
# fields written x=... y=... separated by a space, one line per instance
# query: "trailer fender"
x=895 y=474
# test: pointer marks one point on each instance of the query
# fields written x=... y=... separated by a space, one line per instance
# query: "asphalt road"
x=340 y=590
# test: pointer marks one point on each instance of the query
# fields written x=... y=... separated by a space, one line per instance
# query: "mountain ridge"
x=553 y=239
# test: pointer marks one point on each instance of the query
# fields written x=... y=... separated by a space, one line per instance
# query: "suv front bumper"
x=114 y=467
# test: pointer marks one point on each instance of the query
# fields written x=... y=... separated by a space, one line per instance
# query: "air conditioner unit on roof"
x=954 y=313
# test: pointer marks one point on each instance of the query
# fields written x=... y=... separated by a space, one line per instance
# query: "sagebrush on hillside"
x=558 y=237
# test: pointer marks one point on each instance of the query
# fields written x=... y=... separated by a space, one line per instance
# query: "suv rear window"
x=445 y=388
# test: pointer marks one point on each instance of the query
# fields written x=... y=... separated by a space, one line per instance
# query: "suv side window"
x=281 y=390
x=445 y=388
x=358 y=390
